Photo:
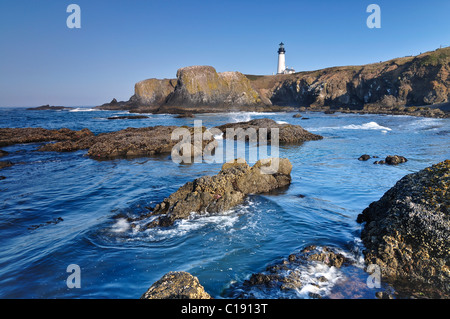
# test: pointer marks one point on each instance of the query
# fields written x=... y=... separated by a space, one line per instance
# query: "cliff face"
x=408 y=81
x=203 y=86
x=420 y=80
x=153 y=92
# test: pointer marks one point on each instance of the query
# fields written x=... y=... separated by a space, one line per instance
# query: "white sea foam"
x=282 y=122
x=82 y=109
x=223 y=221
x=367 y=126
x=246 y=116
x=120 y=226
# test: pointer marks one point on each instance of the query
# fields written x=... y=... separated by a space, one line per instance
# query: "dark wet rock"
x=48 y=108
x=50 y=222
x=329 y=258
x=4 y=164
x=176 y=285
x=69 y=145
x=128 y=117
x=407 y=232
x=298 y=115
x=329 y=112
x=2 y=178
x=383 y=295
x=146 y=141
x=288 y=133
x=10 y=136
x=3 y=153
x=304 y=118
x=185 y=115
x=364 y=157
x=290 y=275
x=221 y=192
x=380 y=162
x=395 y=160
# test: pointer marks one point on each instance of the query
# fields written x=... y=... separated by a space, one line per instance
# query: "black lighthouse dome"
x=281 y=49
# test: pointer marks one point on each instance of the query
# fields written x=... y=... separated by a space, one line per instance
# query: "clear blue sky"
x=122 y=42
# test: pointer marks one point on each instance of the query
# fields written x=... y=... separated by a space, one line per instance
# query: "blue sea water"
x=330 y=187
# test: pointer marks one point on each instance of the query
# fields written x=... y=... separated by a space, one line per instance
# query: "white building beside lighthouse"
x=282 y=61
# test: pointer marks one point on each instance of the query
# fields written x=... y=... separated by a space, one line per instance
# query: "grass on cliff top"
x=431 y=58
x=435 y=58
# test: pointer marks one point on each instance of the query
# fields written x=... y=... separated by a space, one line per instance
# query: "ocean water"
x=58 y=209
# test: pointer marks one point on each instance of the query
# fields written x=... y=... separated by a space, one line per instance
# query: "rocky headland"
x=415 y=85
x=407 y=232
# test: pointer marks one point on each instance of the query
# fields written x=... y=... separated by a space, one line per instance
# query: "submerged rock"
x=3 y=153
x=215 y=194
x=10 y=136
x=287 y=277
x=176 y=285
x=407 y=232
x=364 y=157
x=128 y=117
x=395 y=159
x=49 y=108
x=288 y=133
x=4 y=164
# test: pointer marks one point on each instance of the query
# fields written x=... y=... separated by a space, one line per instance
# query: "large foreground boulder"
x=176 y=285
x=215 y=194
x=407 y=232
x=287 y=133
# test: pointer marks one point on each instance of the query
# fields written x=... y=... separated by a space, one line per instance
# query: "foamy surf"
x=367 y=126
x=246 y=116
x=120 y=226
x=81 y=109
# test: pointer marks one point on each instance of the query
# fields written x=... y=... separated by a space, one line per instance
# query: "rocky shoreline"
x=415 y=86
x=406 y=233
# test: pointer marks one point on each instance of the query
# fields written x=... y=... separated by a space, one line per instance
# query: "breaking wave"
x=367 y=126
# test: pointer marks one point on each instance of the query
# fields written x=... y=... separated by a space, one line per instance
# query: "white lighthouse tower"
x=281 y=59
x=282 y=69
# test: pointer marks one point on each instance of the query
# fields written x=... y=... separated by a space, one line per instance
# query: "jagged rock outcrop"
x=153 y=92
x=215 y=194
x=203 y=86
x=197 y=89
x=287 y=277
x=176 y=285
x=287 y=133
x=147 y=141
x=407 y=232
